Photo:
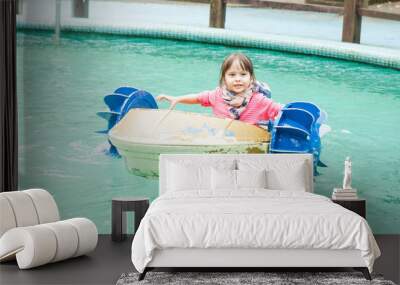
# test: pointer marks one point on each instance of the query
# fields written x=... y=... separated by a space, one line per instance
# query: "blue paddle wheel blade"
x=102 y=132
x=125 y=90
x=289 y=139
x=112 y=151
x=307 y=106
x=108 y=115
x=115 y=101
x=111 y=117
x=139 y=99
x=296 y=118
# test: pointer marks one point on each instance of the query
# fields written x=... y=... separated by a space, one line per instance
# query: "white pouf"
x=31 y=232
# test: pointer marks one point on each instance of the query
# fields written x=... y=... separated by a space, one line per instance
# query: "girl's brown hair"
x=244 y=62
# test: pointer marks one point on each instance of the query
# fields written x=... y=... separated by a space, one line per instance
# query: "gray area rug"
x=229 y=278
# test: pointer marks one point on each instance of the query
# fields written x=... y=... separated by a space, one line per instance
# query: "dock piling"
x=352 y=21
x=217 y=13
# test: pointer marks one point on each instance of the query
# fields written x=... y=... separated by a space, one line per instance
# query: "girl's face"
x=236 y=79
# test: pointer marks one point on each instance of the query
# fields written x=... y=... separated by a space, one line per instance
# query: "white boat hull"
x=143 y=134
x=142 y=160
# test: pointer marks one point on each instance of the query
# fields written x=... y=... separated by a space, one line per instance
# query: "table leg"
x=118 y=231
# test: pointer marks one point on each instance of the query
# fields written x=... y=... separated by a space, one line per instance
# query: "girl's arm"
x=186 y=99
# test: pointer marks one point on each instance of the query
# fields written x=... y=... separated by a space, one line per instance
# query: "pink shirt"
x=259 y=107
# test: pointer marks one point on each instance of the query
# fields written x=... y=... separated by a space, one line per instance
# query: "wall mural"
x=64 y=145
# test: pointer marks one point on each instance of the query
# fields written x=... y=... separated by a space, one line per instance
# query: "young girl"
x=237 y=97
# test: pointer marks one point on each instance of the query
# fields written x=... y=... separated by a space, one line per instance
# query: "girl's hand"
x=172 y=100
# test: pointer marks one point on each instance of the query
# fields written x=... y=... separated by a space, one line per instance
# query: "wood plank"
x=379 y=14
x=288 y=6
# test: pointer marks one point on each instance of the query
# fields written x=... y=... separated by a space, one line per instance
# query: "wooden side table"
x=358 y=206
x=120 y=206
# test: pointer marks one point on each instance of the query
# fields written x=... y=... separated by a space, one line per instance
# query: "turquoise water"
x=61 y=87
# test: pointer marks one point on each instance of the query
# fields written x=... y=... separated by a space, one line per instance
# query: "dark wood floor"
x=102 y=266
x=111 y=259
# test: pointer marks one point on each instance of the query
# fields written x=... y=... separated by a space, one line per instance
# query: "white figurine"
x=347 y=174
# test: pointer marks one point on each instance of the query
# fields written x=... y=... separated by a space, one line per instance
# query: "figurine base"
x=344 y=194
x=348 y=190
